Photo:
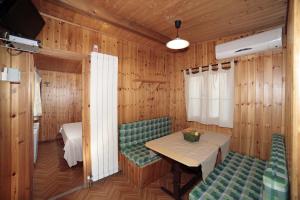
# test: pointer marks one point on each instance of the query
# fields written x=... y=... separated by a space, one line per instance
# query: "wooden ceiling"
x=202 y=19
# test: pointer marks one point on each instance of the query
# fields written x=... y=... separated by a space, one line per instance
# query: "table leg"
x=177 y=189
x=176 y=181
x=219 y=157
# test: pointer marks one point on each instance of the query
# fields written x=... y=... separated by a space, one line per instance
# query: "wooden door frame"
x=85 y=63
x=86 y=150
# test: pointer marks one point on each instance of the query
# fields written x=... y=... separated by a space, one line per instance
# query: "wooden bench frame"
x=142 y=176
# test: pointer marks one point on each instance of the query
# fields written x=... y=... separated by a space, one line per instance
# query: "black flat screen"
x=20 y=17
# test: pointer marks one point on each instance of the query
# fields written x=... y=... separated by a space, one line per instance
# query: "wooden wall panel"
x=136 y=61
x=61 y=101
x=20 y=148
x=5 y=141
x=259 y=96
x=57 y=64
x=292 y=116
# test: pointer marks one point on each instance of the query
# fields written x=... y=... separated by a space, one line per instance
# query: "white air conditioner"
x=19 y=43
x=251 y=44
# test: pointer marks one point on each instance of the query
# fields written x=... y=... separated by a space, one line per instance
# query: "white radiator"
x=104 y=119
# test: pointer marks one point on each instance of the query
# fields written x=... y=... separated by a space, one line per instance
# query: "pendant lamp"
x=177 y=43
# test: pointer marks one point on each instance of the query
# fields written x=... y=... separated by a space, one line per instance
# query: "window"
x=209 y=96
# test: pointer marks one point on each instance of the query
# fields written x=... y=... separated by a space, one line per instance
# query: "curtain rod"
x=208 y=65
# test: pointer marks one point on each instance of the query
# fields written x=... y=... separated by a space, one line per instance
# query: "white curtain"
x=104 y=119
x=37 y=102
x=209 y=96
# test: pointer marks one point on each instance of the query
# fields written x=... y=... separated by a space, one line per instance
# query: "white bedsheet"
x=72 y=136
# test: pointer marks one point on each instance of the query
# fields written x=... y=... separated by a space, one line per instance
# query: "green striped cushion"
x=134 y=135
x=238 y=177
x=143 y=131
x=140 y=155
x=275 y=178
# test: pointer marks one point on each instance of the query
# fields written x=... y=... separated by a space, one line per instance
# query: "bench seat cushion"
x=142 y=131
x=133 y=137
x=238 y=177
x=140 y=155
x=275 y=178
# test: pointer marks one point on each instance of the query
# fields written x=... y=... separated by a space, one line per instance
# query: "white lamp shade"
x=178 y=43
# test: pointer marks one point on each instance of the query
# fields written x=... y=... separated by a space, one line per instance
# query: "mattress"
x=72 y=136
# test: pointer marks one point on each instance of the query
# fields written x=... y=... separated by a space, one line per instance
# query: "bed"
x=72 y=136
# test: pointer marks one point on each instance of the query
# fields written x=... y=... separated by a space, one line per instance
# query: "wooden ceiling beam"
x=99 y=13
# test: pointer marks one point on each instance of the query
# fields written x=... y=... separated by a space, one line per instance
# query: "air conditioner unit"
x=251 y=44
x=19 y=43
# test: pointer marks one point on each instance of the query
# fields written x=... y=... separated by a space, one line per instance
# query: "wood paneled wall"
x=259 y=103
x=61 y=95
x=259 y=96
x=292 y=116
x=17 y=144
x=57 y=64
x=5 y=141
x=136 y=61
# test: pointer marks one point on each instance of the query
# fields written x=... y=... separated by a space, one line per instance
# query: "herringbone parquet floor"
x=52 y=174
x=117 y=187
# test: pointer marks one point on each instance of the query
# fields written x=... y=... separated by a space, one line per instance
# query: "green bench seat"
x=242 y=177
x=133 y=137
x=140 y=155
x=275 y=178
x=238 y=177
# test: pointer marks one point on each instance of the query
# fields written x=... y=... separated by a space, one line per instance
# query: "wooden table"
x=191 y=156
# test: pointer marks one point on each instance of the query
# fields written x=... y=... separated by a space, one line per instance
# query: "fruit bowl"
x=191 y=136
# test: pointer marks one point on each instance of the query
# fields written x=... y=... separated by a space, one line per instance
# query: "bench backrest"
x=275 y=178
x=143 y=131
